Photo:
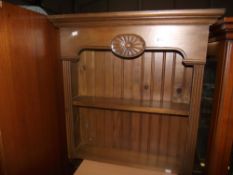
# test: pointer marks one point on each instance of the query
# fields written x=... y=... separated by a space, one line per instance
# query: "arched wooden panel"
x=159 y=76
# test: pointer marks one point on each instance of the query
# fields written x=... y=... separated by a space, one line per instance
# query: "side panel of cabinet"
x=31 y=109
x=221 y=133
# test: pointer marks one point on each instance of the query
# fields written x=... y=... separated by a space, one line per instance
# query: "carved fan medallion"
x=128 y=45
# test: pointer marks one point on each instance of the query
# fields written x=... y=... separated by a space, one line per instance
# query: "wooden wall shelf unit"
x=132 y=88
x=221 y=131
x=133 y=83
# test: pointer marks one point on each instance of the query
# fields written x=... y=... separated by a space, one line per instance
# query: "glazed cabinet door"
x=30 y=94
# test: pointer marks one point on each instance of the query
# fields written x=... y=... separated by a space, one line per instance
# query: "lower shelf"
x=88 y=167
x=129 y=158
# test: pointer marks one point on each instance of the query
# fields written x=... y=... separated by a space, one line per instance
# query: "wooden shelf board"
x=145 y=106
x=88 y=167
x=128 y=158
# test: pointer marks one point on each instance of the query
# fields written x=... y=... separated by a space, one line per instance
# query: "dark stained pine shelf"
x=144 y=106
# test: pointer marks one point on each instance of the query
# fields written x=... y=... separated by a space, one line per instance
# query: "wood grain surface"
x=114 y=103
x=97 y=168
x=221 y=137
x=31 y=103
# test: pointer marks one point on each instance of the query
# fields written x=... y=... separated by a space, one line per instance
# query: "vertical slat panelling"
x=182 y=139
x=117 y=124
x=173 y=123
x=178 y=88
x=155 y=128
x=167 y=96
x=82 y=81
x=163 y=76
x=164 y=133
x=108 y=71
x=155 y=121
x=157 y=62
x=117 y=93
x=136 y=94
x=126 y=116
x=90 y=86
x=168 y=77
x=90 y=73
x=125 y=141
x=117 y=77
x=108 y=93
x=173 y=136
x=174 y=55
x=156 y=76
x=82 y=91
x=100 y=76
x=159 y=88
x=84 y=125
x=127 y=77
x=146 y=85
x=163 y=122
x=155 y=134
x=146 y=76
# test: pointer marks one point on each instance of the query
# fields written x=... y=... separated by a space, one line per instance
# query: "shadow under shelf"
x=143 y=106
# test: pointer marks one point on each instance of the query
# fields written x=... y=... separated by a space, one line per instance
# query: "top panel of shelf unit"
x=195 y=16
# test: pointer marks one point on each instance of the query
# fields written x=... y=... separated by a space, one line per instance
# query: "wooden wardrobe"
x=132 y=88
x=221 y=132
x=32 y=131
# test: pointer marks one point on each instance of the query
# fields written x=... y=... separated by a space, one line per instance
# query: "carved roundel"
x=128 y=45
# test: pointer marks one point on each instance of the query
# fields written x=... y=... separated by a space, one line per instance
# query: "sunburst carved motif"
x=128 y=45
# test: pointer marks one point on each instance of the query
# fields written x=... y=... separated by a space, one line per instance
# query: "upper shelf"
x=204 y=16
x=144 y=106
